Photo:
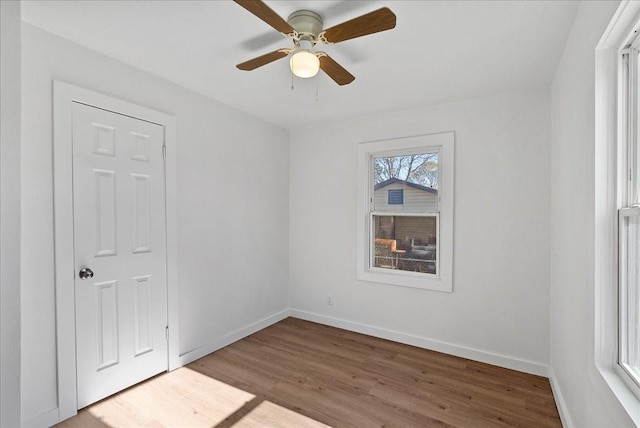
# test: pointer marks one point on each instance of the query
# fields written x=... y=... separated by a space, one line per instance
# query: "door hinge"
x=166 y=331
x=164 y=152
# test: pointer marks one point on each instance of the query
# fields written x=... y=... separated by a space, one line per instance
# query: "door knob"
x=85 y=273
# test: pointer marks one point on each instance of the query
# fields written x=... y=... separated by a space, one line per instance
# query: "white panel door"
x=120 y=251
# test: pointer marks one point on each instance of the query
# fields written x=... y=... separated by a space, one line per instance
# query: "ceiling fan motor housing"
x=307 y=24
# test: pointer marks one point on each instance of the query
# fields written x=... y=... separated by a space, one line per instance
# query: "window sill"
x=621 y=393
x=425 y=282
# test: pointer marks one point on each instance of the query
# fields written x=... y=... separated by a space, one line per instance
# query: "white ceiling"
x=440 y=51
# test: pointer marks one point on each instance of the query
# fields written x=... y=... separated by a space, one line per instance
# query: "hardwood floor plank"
x=303 y=374
x=272 y=415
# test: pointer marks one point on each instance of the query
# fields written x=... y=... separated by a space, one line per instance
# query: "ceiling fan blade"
x=373 y=22
x=264 y=12
x=335 y=71
x=265 y=59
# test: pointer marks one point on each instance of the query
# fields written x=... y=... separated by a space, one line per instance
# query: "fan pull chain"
x=292 y=81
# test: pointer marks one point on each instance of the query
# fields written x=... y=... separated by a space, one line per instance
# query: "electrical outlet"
x=329 y=299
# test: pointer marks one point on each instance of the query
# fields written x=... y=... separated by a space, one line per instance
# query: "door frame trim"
x=64 y=95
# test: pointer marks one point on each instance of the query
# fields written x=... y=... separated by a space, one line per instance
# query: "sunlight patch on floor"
x=268 y=414
x=183 y=397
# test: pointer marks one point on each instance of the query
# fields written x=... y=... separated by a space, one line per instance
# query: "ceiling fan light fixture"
x=305 y=29
x=304 y=64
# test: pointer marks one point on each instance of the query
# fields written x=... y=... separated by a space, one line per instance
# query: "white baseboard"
x=46 y=419
x=234 y=336
x=561 y=404
x=423 y=342
x=51 y=417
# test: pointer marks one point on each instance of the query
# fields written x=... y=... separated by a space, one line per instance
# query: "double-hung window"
x=405 y=211
x=629 y=216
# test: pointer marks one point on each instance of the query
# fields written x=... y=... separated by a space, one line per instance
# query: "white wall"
x=10 y=213
x=583 y=400
x=232 y=208
x=498 y=311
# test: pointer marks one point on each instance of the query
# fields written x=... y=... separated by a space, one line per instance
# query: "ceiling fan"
x=304 y=28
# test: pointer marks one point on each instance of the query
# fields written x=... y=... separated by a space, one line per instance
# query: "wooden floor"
x=301 y=374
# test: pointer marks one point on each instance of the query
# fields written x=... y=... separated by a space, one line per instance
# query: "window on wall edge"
x=628 y=212
x=405 y=211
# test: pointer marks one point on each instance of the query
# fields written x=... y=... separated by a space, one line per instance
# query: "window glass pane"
x=406 y=243
x=634 y=157
x=413 y=176
x=630 y=281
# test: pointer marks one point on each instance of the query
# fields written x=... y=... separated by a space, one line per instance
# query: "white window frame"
x=630 y=377
x=443 y=143
x=604 y=372
x=628 y=186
